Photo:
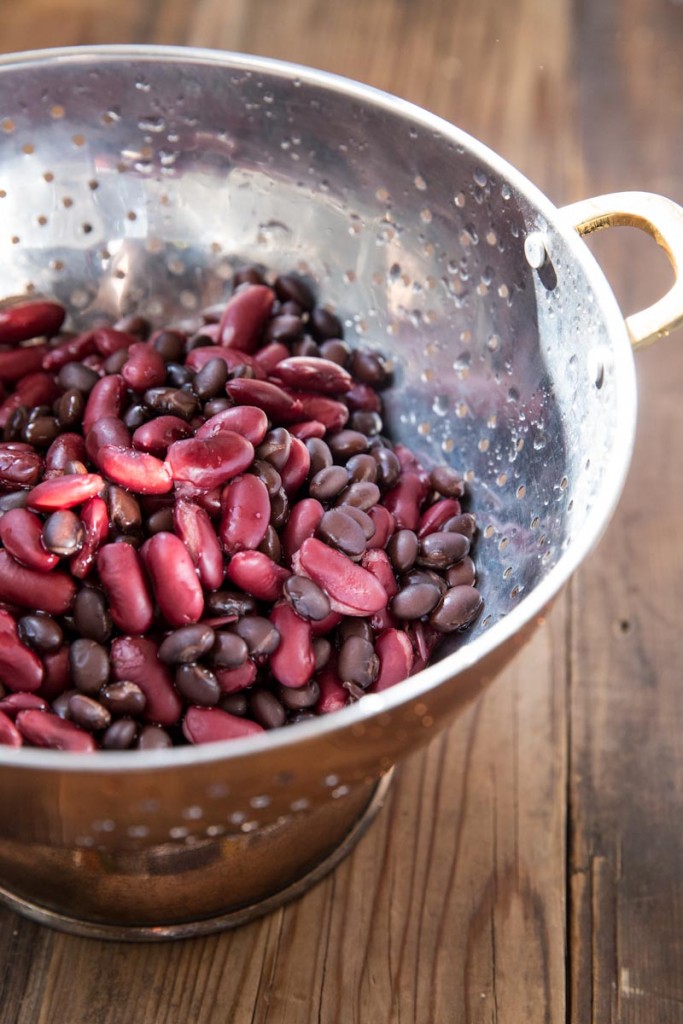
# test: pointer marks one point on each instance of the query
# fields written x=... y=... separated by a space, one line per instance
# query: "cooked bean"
x=462 y=574
x=447 y=482
x=197 y=684
x=464 y=523
x=342 y=532
x=230 y=602
x=89 y=664
x=458 y=608
x=91 y=615
x=415 y=601
x=388 y=466
x=153 y=737
x=40 y=632
x=235 y=703
x=402 y=550
x=120 y=735
x=63 y=533
x=328 y=483
x=260 y=635
x=369 y=368
x=322 y=651
x=123 y=698
x=88 y=713
x=354 y=627
x=290 y=287
x=363 y=495
x=361 y=468
x=275 y=448
x=306 y=598
x=169 y=345
x=266 y=709
x=357 y=662
x=210 y=381
x=44 y=730
x=229 y=650
x=441 y=550
x=187 y=644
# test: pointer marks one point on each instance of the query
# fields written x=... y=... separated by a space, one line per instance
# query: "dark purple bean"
x=322 y=651
x=388 y=466
x=362 y=495
x=259 y=634
x=235 y=703
x=77 y=376
x=369 y=423
x=465 y=523
x=345 y=443
x=458 y=608
x=402 y=550
x=447 y=482
x=362 y=468
x=135 y=416
x=89 y=663
x=266 y=709
x=268 y=474
x=416 y=576
x=305 y=347
x=291 y=288
x=116 y=361
x=198 y=685
x=88 y=713
x=228 y=602
x=325 y=325
x=91 y=615
x=229 y=650
x=124 y=509
x=441 y=550
x=271 y=545
x=351 y=626
x=123 y=698
x=336 y=351
x=343 y=532
x=40 y=632
x=284 y=328
x=134 y=324
x=415 y=601
x=461 y=575
x=369 y=368
x=210 y=381
x=42 y=431
x=160 y=521
x=297 y=698
x=60 y=705
x=16 y=499
x=362 y=518
x=275 y=448
x=172 y=401
x=357 y=662
x=153 y=737
x=279 y=509
x=328 y=483
x=63 y=533
x=169 y=345
x=69 y=408
x=187 y=644
x=248 y=275
x=306 y=598
x=120 y=735
x=321 y=456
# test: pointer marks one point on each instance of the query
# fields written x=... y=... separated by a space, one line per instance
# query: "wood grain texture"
x=457 y=906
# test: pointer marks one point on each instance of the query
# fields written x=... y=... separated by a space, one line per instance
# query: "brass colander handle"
x=659 y=217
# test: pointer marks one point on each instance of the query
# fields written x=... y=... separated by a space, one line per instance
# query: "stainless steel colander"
x=135 y=179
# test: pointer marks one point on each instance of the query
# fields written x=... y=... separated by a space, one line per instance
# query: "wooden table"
x=529 y=866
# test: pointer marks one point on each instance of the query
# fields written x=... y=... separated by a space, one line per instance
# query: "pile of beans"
x=204 y=531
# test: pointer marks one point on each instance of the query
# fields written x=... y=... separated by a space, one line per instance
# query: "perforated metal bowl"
x=135 y=180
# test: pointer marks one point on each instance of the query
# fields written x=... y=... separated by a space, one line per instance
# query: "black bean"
x=60 y=705
x=242 y=371
x=284 y=328
x=357 y=662
x=135 y=416
x=229 y=602
x=235 y=704
x=187 y=644
x=268 y=474
x=362 y=518
x=153 y=737
x=229 y=650
x=328 y=483
x=42 y=431
x=14 y=428
x=441 y=550
x=296 y=698
x=301 y=716
x=116 y=361
x=78 y=376
x=16 y=499
x=369 y=368
x=88 y=713
x=457 y=608
x=216 y=405
x=134 y=324
x=367 y=422
x=388 y=466
x=275 y=448
x=198 y=685
x=362 y=468
x=337 y=351
x=291 y=287
x=352 y=626
x=447 y=481
x=89 y=665
x=123 y=698
x=415 y=601
x=402 y=550
x=210 y=381
x=124 y=510
x=266 y=709
x=169 y=345
x=271 y=545
x=322 y=650
x=120 y=735
x=345 y=443
x=74 y=466
x=325 y=325
x=63 y=533
x=178 y=375
x=416 y=575
x=279 y=509
x=305 y=347
x=289 y=308
x=343 y=532
x=91 y=615
x=306 y=598
x=464 y=523
x=362 y=495
x=172 y=401
x=69 y=408
x=260 y=634
x=160 y=521
x=321 y=456
x=40 y=632
x=198 y=340
x=462 y=574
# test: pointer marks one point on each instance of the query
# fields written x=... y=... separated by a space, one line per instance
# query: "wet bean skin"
x=150 y=460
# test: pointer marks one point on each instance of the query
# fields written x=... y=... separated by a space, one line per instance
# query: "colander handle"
x=659 y=217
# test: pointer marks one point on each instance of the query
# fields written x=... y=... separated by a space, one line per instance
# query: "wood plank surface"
x=457 y=905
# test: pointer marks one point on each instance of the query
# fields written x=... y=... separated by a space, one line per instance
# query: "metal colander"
x=135 y=180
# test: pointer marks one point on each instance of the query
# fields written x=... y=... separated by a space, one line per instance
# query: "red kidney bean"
x=193 y=526
x=245 y=505
x=95 y=519
x=44 y=730
x=231 y=680
x=34 y=389
x=247 y=420
x=174 y=581
x=378 y=563
x=296 y=469
x=51 y=592
x=109 y=340
x=156 y=435
x=17 y=362
x=434 y=518
x=211 y=725
x=245 y=316
x=20 y=668
x=384 y=524
x=211 y=462
x=351 y=589
x=57 y=676
x=16 y=702
x=328 y=411
x=64 y=449
x=293 y=663
x=395 y=654
x=19 y=466
x=233 y=359
x=138 y=471
x=308 y=429
x=333 y=696
x=21 y=534
x=64 y=491
x=144 y=367
x=322 y=627
x=257 y=574
x=404 y=501
x=308 y=373
x=272 y=354
x=32 y=319
x=124 y=582
x=457 y=608
x=276 y=403
x=108 y=431
x=134 y=659
x=73 y=350
x=303 y=522
x=9 y=734
x=106 y=399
